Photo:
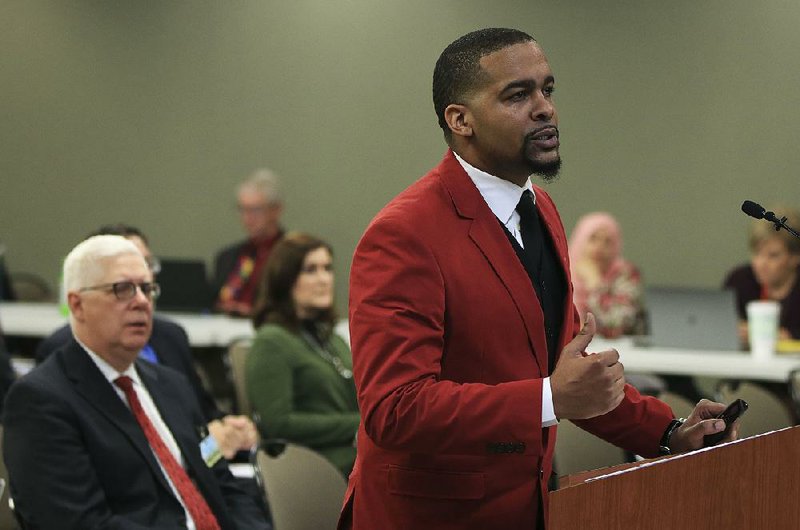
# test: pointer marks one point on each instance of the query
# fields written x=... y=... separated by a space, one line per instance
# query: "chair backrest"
x=303 y=490
x=577 y=450
x=766 y=412
x=680 y=405
x=794 y=390
x=28 y=287
x=237 y=356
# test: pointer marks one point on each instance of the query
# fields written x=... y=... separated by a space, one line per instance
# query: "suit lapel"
x=487 y=234
x=98 y=393
x=556 y=230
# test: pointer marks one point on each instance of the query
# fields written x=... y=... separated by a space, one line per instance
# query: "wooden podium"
x=750 y=484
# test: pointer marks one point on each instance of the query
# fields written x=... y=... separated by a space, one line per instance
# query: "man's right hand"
x=586 y=385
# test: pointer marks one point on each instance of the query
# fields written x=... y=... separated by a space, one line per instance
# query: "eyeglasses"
x=252 y=210
x=127 y=290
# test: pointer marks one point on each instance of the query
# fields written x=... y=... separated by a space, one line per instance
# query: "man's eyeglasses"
x=252 y=210
x=127 y=290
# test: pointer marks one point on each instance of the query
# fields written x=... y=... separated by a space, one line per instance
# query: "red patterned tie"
x=203 y=517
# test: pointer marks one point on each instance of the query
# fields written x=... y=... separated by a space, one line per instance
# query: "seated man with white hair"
x=94 y=437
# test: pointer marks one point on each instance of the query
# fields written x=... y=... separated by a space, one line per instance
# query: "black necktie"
x=531 y=234
x=540 y=261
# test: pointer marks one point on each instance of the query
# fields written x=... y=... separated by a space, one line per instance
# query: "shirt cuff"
x=548 y=410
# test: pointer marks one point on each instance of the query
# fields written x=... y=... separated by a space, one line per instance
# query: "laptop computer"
x=692 y=318
x=184 y=286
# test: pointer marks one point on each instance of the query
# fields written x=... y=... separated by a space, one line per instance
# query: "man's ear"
x=459 y=119
x=75 y=303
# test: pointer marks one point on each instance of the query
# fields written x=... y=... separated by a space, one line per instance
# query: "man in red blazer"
x=459 y=311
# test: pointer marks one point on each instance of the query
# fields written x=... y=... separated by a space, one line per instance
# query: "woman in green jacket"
x=299 y=372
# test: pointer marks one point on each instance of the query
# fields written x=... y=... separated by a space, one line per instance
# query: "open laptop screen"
x=184 y=286
x=692 y=318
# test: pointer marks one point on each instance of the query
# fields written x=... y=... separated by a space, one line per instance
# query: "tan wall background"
x=671 y=113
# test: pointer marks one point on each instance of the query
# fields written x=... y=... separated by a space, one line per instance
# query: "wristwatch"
x=663 y=445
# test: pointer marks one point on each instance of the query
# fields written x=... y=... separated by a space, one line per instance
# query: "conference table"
x=705 y=363
x=37 y=320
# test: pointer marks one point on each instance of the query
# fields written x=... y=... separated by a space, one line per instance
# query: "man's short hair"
x=265 y=182
x=761 y=230
x=120 y=229
x=457 y=71
x=85 y=264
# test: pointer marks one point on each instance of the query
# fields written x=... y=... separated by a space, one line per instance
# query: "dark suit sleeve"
x=172 y=347
x=241 y=508
x=56 y=340
x=224 y=262
x=47 y=458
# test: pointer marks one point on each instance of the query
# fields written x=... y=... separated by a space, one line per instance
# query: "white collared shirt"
x=149 y=406
x=500 y=195
x=502 y=198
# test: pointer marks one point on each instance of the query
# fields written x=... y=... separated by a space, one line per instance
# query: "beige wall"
x=671 y=113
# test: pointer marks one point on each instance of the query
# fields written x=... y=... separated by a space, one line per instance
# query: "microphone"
x=753 y=209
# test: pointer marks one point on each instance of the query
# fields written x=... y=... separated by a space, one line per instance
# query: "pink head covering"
x=585 y=227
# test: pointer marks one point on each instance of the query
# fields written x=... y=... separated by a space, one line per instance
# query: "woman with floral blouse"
x=605 y=283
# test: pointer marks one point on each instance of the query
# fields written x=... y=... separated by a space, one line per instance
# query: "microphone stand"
x=780 y=223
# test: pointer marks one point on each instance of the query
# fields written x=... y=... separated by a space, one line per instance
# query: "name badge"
x=209 y=450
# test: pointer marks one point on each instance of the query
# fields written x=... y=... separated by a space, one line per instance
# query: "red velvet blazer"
x=449 y=354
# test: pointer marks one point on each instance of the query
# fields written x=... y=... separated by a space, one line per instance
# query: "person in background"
x=772 y=274
x=299 y=372
x=604 y=282
x=609 y=286
x=237 y=268
x=96 y=437
x=169 y=346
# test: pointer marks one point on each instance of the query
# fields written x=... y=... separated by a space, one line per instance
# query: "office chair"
x=680 y=405
x=794 y=390
x=28 y=287
x=237 y=356
x=577 y=450
x=767 y=412
x=303 y=490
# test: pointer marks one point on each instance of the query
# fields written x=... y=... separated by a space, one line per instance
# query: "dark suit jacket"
x=77 y=458
x=449 y=354
x=171 y=345
x=224 y=262
x=7 y=375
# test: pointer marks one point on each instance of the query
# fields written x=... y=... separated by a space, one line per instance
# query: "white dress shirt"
x=502 y=198
x=111 y=374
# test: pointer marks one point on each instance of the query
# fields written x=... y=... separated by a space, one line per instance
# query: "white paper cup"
x=762 y=327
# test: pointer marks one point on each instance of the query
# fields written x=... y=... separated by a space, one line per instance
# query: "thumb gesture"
x=585 y=386
x=577 y=346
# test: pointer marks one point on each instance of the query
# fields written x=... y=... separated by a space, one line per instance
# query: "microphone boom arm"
x=780 y=223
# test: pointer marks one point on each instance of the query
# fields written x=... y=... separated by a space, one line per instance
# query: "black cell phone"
x=729 y=415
